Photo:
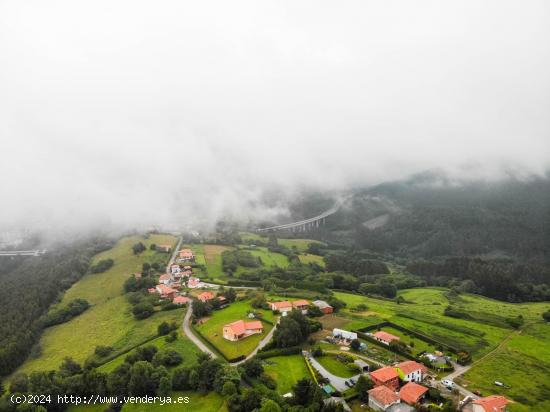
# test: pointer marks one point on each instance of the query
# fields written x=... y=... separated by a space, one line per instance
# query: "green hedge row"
x=293 y=350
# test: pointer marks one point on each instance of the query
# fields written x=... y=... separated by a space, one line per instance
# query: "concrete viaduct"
x=303 y=225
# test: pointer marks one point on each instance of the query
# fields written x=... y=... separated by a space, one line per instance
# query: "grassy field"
x=309 y=258
x=333 y=365
x=109 y=321
x=520 y=359
x=198 y=250
x=211 y=329
x=182 y=345
x=300 y=244
x=286 y=370
x=210 y=402
x=270 y=258
x=418 y=345
x=213 y=258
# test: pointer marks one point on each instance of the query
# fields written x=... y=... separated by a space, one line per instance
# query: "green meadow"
x=286 y=370
x=109 y=320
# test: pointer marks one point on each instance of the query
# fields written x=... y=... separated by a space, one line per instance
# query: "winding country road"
x=189 y=333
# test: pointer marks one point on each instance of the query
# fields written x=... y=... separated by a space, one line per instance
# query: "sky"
x=133 y=113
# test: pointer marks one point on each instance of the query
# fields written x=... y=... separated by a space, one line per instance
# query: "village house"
x=186 y=273
x=381 y=398
x=165 y=279
x=181 y=300
x=386 y=376
x=493 y=403
x=186 y=255
x=411 y=371
x=323 y=306
x=165 y=292
x=163 y=248
x=194 y=283
x=384 y=337
x=412 y=393
x=343 y=334
x=241 y=329
x=283 y=307
x=175 y=269
x=205 y=296
x=301 y=305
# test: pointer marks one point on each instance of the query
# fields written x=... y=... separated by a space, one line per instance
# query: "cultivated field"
x=213 y=258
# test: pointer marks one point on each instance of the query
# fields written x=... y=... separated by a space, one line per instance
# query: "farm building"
x=411 y=371
x=165 y=279
x=186 y=255
x=165 y=292
x=384 y=337
x=344 y=334
x=205 y=296
x=323 y=306
x=194 y=283
x=241 y=329
x=386 y=376
x=381 y=398
x=412 y=393
x=163 y=248
x=363 y=366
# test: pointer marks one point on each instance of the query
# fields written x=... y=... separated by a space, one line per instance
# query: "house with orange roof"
x=193 y=283
x=493 y=403
x=205 y=296
x=240 y=329
x=186 y=273
x=411 y=371
x=165 y=279
x=384 y=337
x=165 y=292
x=302 y=305
x=284 y=307
x=381 y=398
x=181 y=300
x=412 y=393
x=386 y=376
x=186 y=255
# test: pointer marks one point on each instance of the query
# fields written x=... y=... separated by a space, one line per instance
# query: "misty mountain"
x=432 y=216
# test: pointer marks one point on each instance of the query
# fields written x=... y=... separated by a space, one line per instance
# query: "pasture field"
x=210 y=402
x=109 y=320
x=270 y=258
x=182 y=345
x=418 y=345
x=309 y=258
x=252 y=237
x=213 y=258
x=286 y=370
x=333 y=365
x=300 y=244
x=211 y=329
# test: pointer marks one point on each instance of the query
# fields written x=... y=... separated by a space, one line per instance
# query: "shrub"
x=102 y=266
x=103 y=351
x=143 y=310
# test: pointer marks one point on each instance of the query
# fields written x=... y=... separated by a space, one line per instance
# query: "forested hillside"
x=28 y=286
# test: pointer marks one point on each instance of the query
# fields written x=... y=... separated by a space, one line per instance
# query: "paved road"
x=173 y=257
x=262 y=343
x=189 y=333
x=336 y=381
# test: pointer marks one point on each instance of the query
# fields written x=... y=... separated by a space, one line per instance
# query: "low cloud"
x=139 y=113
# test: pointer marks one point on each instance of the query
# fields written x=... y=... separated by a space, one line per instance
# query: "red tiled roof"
x=385 y=336
x=383 y=395
x=240 y=326
x=412 y=392
x=302 y=302
x=164 y=277
x=204 y=296
x=384 y=374
x=493 y=403
x=165 y=290
x=281 y=305
x=411 y=366
x=180 y=299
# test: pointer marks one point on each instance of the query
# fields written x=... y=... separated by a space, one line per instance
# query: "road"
x=262 y=343
x=189 y=333
x=173 y=257
x=336 y=381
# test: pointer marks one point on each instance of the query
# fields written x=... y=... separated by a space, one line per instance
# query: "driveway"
x=189 y=333
x=336 y=381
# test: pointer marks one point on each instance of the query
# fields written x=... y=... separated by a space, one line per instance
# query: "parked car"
x=352 y=381
x=448 y=383
x=349 y=385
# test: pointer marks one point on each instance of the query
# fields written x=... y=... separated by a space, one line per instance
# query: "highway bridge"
x=303 y=225
x=22 y=252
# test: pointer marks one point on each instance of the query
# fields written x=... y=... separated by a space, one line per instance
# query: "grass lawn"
x=182 y=345
x=309 y=258
x=418 y=345
x=109 y=321
x=286 y=370
x=213 y=257
x=211 y=402
x=211 y=329
x=270 y=258
x=333 y=365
